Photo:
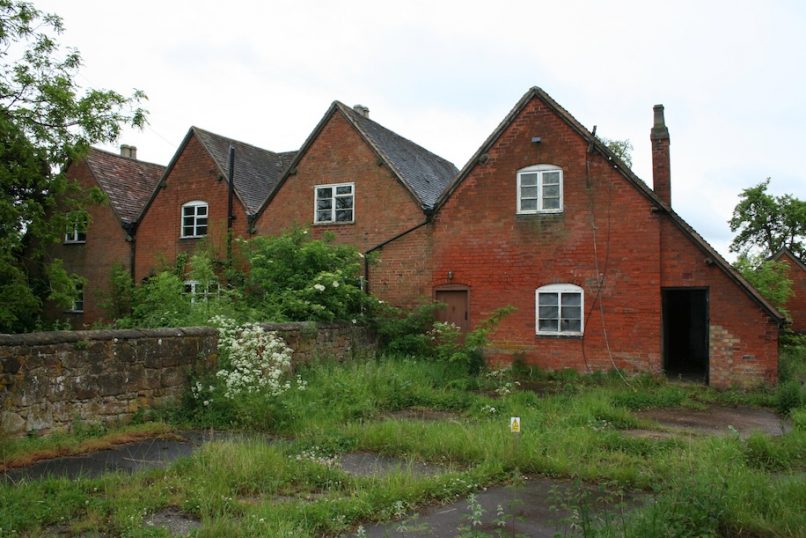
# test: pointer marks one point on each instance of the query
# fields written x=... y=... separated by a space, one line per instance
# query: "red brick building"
x=602 y=271
x=189 y=206
x=370 y=188
x=107 y=240
x=796 y=305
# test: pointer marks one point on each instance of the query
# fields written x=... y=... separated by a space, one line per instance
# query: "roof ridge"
x=194 y=127
x=118 y=155
x=413 y=143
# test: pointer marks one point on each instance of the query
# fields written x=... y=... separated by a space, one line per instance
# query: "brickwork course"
x=436 y=229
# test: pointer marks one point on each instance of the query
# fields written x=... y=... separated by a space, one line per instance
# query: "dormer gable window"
x=540 y=189
x=194 y=219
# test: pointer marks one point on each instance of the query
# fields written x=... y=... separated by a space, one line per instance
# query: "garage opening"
x=685 y=333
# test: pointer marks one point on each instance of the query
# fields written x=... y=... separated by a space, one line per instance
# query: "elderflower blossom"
x=258 y=360
x=318 y=287
x=335 y=283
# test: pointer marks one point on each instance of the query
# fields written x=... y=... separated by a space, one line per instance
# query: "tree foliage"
x=769 y=277
x=767 y=223
x=621 y=148
x=46 y=120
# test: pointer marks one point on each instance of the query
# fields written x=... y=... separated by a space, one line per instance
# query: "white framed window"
x=76 y=231
x=540 y=189
x=78 y=299
x=560 y=309
x=194 y=219
x=200 y=292
x=334 y=203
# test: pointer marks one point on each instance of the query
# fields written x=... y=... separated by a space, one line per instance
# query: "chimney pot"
x=133 y=152
x=661 y=160
x=124 y=150
x=361 y=109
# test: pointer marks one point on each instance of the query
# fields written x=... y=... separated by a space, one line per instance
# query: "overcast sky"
x=732 y=76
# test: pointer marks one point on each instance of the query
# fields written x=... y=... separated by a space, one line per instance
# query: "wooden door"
x=456 y=308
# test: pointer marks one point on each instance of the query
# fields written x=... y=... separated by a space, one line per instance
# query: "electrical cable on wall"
x=601 y=277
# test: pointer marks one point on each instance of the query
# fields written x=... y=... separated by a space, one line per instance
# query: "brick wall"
x=383 y=207
x=608 y=240
x=48 y=380
x=194 y=176
x=106 y=246
x=796 y=305
x=743 y=338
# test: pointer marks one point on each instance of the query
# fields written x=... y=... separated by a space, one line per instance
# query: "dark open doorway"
x=685 y=333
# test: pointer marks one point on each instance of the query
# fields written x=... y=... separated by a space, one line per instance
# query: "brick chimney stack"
x=661 y=161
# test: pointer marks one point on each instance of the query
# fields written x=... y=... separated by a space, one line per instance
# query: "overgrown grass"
x=80 y=439
x=572 y=428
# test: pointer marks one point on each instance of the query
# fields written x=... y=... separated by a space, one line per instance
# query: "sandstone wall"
x=50 y=379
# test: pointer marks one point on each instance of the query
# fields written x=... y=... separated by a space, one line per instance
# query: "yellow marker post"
x=515 y=424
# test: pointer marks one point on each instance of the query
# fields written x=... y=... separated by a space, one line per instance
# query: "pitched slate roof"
x=786 y=252
x=128 y=183
x=424 y=174
x=625 y=170
x=257 y=170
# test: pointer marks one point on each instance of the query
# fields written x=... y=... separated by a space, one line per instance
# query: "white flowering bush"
x=252 y=359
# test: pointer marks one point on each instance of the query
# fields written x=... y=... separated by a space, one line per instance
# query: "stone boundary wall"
x=50 y=379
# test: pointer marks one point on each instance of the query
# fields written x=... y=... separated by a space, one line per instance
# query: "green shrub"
x=294 y=278
x=789 y=395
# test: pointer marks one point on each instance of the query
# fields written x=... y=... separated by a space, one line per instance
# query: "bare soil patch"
x=371 y=464
x=173 y=520
x=716 y=420
x=423 y=413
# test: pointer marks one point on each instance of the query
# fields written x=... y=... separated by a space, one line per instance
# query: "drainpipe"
x=130 y=229
x=230 y=193
x=429 y=213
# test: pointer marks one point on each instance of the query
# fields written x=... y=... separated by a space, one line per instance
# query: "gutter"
x=429 y=214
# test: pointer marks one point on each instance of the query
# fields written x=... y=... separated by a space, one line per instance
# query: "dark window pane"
x=344 y=215
x=201 y=229
x=324 y=192
x=551 y=191
x=324 y=204
x=346 y=189
x=548 y=299
x=201 y=221
x=551 y=178
x=551 y=203
x=344 y=203
x=572 y=299
x=570 y=312
x=323 y=216
x=528 y=180
x=571 y=325
x=201 y=210
x=547 y=312
x=548 y=325
x=528 y=192
x=528 y=205
x=187 y=230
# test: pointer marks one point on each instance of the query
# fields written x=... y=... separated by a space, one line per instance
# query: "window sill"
x=74 y=243
x=193 y=237
x=74 y=312
x=560 y=336
x=538 y=214
x=333 y=223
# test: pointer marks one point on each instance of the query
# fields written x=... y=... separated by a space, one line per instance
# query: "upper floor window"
x=560 y=309
x=540 y=189
x=334 y=203
x=76 y=230
x=194 y=219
